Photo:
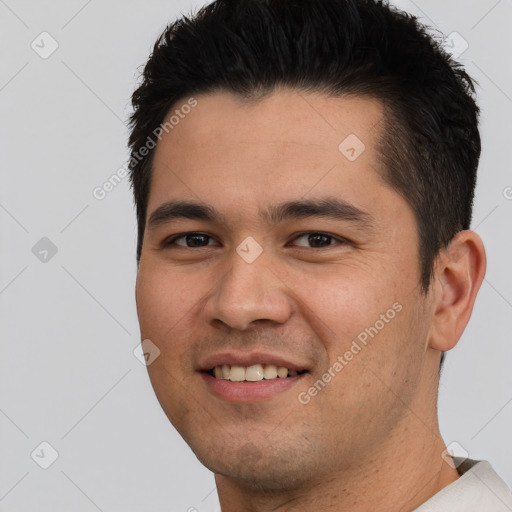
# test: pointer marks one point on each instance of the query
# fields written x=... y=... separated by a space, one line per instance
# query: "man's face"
x=307 y=301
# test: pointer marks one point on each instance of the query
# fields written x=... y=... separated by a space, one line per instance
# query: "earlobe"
x=459 y=272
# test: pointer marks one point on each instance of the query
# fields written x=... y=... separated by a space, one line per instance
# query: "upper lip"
x=248 y=359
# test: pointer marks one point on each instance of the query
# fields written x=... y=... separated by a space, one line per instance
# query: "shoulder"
x=478 y=489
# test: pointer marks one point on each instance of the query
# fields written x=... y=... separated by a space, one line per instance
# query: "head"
x=248 y=109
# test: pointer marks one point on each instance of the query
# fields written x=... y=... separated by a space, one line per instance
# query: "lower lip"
x=249 y=391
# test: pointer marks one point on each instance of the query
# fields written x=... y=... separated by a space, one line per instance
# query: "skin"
x=370 y=438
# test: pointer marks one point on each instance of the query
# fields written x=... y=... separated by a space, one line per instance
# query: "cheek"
x=369 y=319
x=342 y=301
x=166 y=306
x=164 y=301
x=394 y=349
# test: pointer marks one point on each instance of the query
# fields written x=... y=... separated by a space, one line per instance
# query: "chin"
x=257 y=467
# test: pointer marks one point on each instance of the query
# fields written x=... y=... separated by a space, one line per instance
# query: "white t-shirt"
x=478 y=489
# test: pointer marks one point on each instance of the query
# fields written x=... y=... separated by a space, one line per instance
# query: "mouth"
x=254 y=373
x=250 y=377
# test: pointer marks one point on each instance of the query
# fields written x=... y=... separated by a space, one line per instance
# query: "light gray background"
x=69 y=327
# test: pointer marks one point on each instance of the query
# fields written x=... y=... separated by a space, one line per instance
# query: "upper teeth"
x=252 y=373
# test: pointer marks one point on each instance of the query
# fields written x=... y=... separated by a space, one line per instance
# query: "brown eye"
x=191 y=240
x=318 y=239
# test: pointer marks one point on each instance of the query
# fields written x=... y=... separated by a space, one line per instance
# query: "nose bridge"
x=249 y=291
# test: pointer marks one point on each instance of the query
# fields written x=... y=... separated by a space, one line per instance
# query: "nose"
x=248 y=293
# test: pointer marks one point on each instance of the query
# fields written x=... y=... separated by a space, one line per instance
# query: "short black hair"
x=430 y=143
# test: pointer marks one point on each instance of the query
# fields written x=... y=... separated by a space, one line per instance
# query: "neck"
x=406 y=470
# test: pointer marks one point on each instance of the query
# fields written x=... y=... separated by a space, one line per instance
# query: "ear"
x=458 y=274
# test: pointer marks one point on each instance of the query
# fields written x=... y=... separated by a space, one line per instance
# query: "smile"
x=253 y=373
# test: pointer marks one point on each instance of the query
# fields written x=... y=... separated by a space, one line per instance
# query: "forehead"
x=286 y=115
x=285 y=146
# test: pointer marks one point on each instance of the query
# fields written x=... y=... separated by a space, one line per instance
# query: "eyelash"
x=171 y=241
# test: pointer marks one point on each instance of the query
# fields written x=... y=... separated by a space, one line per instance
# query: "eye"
x=191 y=240
x=310 y=240
x=318 y=239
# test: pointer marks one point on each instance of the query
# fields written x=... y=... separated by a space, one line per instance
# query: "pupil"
x=316 y=237
x=192 y=237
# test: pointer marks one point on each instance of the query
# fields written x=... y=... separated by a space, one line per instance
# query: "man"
x=304 y=173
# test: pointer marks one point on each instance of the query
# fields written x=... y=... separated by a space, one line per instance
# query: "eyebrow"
x=329 y=208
